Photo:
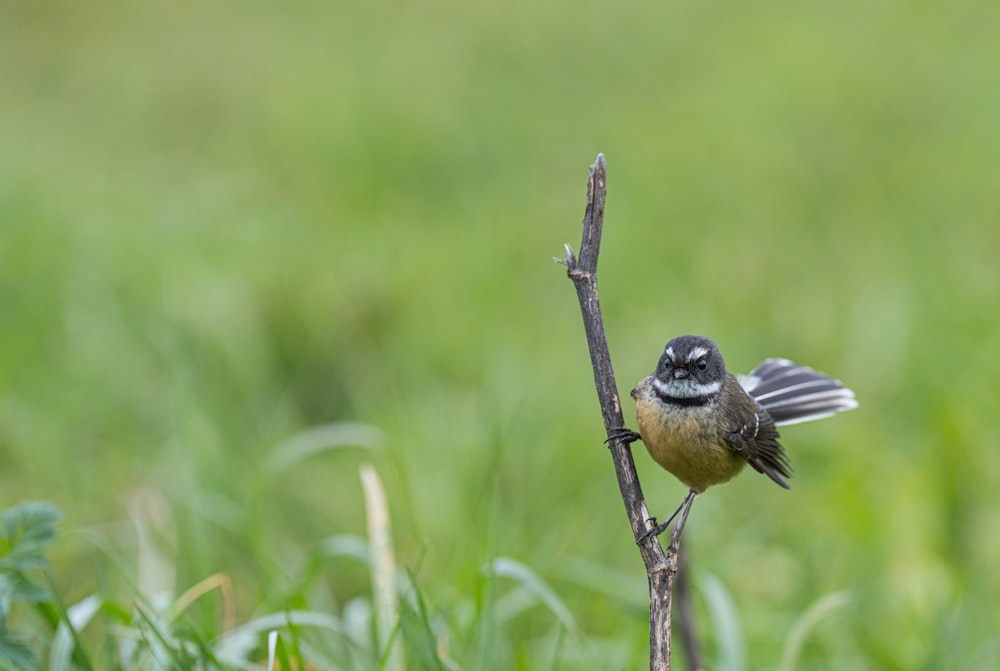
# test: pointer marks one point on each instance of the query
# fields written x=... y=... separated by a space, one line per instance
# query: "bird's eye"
x=702 y=364
x=666 y=364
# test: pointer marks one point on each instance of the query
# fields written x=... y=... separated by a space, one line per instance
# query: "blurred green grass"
x=223 y=223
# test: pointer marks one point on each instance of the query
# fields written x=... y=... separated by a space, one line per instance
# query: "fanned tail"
x=791 y=393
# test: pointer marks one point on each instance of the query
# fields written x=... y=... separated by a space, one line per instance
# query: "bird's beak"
x=680 y=373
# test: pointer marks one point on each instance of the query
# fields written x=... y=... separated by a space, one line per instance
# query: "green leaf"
x=14 y=650
x=26 y=531
x=293 y=632
x=15 y=586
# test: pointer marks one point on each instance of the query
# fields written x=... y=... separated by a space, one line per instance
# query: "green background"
x=224 y=223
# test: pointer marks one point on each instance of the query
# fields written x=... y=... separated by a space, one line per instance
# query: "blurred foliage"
x=26 y=532
x=226 y=223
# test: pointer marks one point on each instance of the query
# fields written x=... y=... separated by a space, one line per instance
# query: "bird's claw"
x=654 y=530
x=624 y=434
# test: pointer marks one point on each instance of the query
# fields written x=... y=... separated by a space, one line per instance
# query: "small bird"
x=703 y=424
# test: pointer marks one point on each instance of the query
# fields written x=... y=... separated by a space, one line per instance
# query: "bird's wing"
x=752 y=435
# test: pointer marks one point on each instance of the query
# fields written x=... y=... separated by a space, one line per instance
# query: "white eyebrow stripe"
x=669 y=352
x=697 y=353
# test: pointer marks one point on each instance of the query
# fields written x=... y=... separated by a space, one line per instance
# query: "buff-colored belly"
x=678 y=443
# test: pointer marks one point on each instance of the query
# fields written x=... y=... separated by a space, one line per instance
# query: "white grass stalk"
x=272 y=647
x=156 y=534
x=383 y=568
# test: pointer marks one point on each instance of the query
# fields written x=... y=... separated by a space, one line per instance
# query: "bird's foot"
x=654 y=530
x=658 y=529
x=624 y=434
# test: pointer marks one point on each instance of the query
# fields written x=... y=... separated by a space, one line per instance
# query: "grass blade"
x=815 y=614
x=537 y=587
x=320 y=439
x=726 y=623
x=65 y=639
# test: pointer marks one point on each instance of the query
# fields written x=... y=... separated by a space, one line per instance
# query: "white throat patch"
x=686 y=388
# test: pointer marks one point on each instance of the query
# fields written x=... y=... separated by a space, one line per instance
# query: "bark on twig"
x=660 y=567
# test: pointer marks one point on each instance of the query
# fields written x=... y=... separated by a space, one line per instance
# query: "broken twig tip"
x=570 y=260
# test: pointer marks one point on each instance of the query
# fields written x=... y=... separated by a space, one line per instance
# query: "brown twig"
x=660 y=567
